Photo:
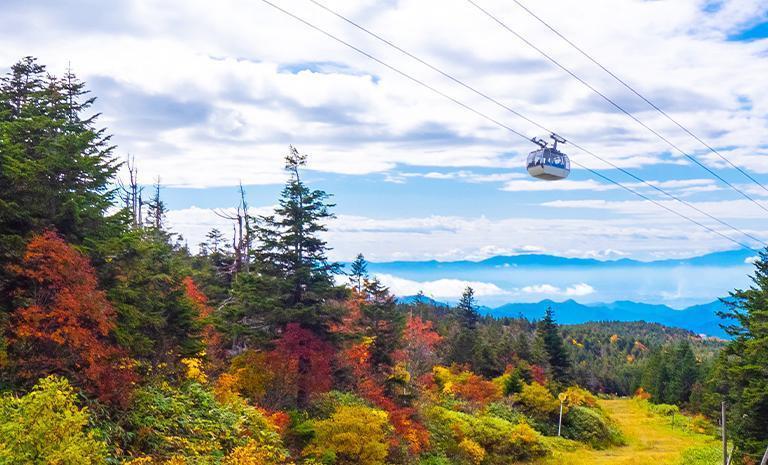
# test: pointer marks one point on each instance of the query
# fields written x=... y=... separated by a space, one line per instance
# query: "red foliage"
x=65 y=322
x=407 y=428
x=418 y=331
x=211 y=337
x=476 y=389
x=539 y=374
x=306 y=358
x=421 y=341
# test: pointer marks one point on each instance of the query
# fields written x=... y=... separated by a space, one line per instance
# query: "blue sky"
x=209 y=96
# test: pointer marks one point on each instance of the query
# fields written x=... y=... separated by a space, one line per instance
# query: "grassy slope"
x=650 y=441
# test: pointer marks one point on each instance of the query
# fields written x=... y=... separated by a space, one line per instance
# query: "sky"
x=209 y=95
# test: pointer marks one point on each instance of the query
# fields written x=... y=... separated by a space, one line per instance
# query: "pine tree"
x=683 y=373
x=56 y=167
x=557 y=355
x=156 y=209
x=292 y=250
x=384 y=323
x=465 y=344
x=358 y=273
x=741 y=372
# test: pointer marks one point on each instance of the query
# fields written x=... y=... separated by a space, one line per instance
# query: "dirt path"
x=650 y=440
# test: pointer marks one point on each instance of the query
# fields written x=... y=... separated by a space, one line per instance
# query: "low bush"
x=591 y=427
x=501 y=440
x=352 y=435
x=46 y=426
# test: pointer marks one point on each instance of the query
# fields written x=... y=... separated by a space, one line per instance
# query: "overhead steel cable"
x=500 y=124
x=615 y=105
x=638 y=94
x=531 y=121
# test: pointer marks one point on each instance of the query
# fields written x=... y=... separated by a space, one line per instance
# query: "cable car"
x=547 y=162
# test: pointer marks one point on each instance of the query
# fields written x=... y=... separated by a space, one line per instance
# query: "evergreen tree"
x=358 y=273
x=156 y=209
x=384 y=323
x=683 y=373
x=557 y=356
x=56 y=167
x=292 y=251
x=741 y=373
x=465 y=344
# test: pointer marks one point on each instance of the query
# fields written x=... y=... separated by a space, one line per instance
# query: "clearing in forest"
x=651 y=440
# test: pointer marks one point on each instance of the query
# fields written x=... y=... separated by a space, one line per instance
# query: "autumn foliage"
x=63 y=322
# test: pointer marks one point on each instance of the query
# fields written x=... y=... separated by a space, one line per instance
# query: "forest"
x=120 y=343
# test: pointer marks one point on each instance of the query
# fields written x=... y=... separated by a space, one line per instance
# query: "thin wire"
x=614 y=104
x=520 y=115
x=500 y=124
x=637 y=93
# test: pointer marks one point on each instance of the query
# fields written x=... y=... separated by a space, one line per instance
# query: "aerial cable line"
x=531 y=121
x=641 y=96
x=500 y=124
x=614 y=104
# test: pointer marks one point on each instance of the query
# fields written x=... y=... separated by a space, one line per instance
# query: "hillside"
x=700 y=319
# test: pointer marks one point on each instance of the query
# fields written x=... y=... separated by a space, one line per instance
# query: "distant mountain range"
x=719 y=259
x=700 y=319
x=670 y=283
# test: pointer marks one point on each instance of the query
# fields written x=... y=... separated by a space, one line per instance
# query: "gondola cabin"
x=548 y=163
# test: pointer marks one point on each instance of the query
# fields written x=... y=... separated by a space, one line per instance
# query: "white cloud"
x=256 y=94
x=752 y=260
x=576 y=290
x=541 y=289
x=441 y=288
x=579 y=290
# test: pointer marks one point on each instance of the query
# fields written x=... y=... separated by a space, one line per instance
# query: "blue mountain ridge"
x=721 y=259
x=700 y=319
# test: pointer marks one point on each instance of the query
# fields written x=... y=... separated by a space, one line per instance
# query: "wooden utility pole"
x=723 y=432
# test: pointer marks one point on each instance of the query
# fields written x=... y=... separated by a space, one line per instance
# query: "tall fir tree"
x=358 y=273
x=384 y=323
x=557 y=356
x=56 y=167
x=465 y=344
x=740 y=376
x=292 y=278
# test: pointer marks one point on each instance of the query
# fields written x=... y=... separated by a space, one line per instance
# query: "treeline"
x=127 y=347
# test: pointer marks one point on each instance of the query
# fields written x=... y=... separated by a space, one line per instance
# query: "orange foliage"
x=407 y=428
x=65 y=322
x=641 y=393
x=476 y=389
x=211 y=337
x=538 y=374
x=306 y=358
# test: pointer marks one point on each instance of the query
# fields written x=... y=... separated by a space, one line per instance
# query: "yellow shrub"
x=576 y=396
x=46 y=426
x=471 y=451
x=354 y=435
x=195 y=369
x=537 y=400
x=255 y=453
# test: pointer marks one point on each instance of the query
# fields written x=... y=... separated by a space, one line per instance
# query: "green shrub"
x=434 y=460
x=591 y=427
x=537 y=401
x=188 y=422
x=46 y=427
x=706 y=455
x=507 y=412
x=501 y=440
x=325 y=404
